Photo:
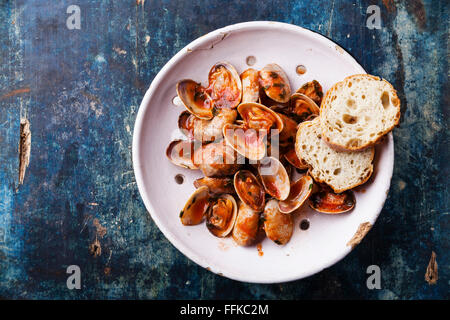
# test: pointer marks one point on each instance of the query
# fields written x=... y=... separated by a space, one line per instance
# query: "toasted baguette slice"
x=341 y=170
x=358 y=111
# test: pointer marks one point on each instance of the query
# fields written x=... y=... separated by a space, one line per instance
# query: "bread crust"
x=318 y=180
x=395 y=101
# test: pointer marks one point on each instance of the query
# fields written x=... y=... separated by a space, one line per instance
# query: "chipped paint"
x=95 y=248
x=119 y=51
x=359 y=234
x=14 y=93
x=417 y=9
x=339 y=49
x=431 y=275
x=213 y=43
x=140 y=2
x=24 y=148
x=101 y=230
x=390 y=5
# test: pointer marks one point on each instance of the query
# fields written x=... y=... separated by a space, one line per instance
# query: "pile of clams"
x=240 y=132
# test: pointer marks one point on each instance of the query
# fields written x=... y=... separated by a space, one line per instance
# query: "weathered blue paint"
x=81 y=89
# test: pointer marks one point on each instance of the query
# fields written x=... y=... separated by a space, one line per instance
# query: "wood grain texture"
x=84 y=89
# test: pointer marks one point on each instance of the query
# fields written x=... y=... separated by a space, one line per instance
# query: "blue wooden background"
x=81 y=89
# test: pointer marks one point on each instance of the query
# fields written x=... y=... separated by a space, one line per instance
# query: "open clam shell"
x=250 y=85
x=275 y=83
x=289 y=129
x=289 y=169
x=186 y=122
x=225 y=87
x=217 y=159
x=259 y=117
x=195 y=208
x=300 y=192
x=246 y=141
x=325 y=200
x=181 y=153
x=303 y=107
x=205 y=130
x=245 y=230
x=195 y=98
x=216 y=185
x=211 y=130
x=294 y=160
x=280 y=108
x=274 y=178
x=249 y=190
x=277 y=225
x=312 y=90
x=221 y=215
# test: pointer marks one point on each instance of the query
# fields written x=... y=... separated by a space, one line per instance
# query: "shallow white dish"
x=308 y=252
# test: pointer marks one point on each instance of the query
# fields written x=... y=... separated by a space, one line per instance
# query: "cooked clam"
x=245 y=230
x=250 y=85
x=221 y=215
x=300 y=191
x=186 y=122
x=275 y=83
x=247 y=142
x=294 y=160
x=289 y=169
x=274 y=178
x=313 y=90
x=249 y=190
x=225 y=88
x=181 y=153
x=277 y=225
x=325 y=200
x=217 y=159
x=302 y=106
x=216 y=185
x=280 y=108
x=205 y=130
x=259 y=117
x=211 y=130
x=195 y=98
x=289 y=129
x=195 y=208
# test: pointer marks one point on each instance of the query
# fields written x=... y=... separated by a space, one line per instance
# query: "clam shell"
x=299 y=193
x=312 y=90
x=195 y=208
x=247 y=142
x=225 y=87
x=259 y=117
x=249 y=190
x=245 y=230
x=195 y=98
x=274 y=178
x=211 y=130
x=186 y=121
x=325 y=200
x=216 y=185
x=277 y=225
x=289 y=128
x=181 y=153
x=303 y=106
x=250 y=85
x=294 y=160
x=220 y=220
x=217 y=159
x=275 y=83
